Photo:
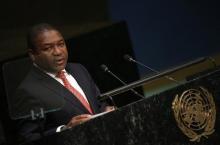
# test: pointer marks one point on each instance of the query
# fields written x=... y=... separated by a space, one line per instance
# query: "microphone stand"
x=130 y=59
x=147 y=80
x=106 y=69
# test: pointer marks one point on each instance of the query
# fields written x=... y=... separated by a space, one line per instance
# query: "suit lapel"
x=58 y=88
x=81 y=82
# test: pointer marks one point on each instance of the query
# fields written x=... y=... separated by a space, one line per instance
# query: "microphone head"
x=213 y=61
x=104 y=67
x=128 y=57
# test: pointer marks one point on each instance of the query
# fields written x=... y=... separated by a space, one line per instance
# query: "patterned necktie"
x=74 y=91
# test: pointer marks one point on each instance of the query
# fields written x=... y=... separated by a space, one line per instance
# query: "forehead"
x=48 y=37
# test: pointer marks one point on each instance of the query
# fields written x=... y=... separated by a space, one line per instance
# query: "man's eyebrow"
x=61 y=40
x=55 y=42
x=47 y=44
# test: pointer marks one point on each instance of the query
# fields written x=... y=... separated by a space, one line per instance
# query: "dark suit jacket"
x=40 y=90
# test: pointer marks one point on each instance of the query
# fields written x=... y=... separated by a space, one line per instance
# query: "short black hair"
x=35 y=30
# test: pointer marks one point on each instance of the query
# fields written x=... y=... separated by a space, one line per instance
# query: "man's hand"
x=78 y=120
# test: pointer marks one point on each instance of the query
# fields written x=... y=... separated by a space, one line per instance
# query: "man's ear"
x=31 y=54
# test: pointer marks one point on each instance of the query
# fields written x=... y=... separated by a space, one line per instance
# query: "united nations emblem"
x=195 y=113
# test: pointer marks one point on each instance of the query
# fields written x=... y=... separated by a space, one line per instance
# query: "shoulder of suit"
x=76 y=68
x=74 y=65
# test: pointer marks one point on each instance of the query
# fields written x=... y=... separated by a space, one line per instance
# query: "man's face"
x=51 y=52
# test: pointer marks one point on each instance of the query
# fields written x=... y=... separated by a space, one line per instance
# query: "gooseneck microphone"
x=130 y=59
x=106 y=69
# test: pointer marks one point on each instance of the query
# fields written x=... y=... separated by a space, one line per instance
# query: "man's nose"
x=57 y=50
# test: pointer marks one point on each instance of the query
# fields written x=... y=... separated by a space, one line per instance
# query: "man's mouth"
x=60 y=61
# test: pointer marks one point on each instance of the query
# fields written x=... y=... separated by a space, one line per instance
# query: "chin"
x=61 y=68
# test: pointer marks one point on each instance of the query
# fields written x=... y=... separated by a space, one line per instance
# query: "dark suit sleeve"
x=28 y=129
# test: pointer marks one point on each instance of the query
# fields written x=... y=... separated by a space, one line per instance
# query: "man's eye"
x=61 y=44
x=46 y=48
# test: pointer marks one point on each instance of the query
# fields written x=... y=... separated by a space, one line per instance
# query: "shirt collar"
x=49 y=73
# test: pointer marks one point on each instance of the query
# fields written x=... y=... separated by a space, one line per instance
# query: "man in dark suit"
x=51 y=82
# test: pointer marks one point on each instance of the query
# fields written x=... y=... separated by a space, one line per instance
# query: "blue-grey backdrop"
x=166 y=33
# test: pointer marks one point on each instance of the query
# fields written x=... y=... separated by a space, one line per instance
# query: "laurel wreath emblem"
x=195 y=113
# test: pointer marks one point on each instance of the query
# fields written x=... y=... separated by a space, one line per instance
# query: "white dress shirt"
x=71 y=80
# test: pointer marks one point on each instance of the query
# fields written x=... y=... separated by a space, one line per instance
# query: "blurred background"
x=161 y=31
x=161 y=34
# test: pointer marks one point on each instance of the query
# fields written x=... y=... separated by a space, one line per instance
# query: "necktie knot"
x=60 y=74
